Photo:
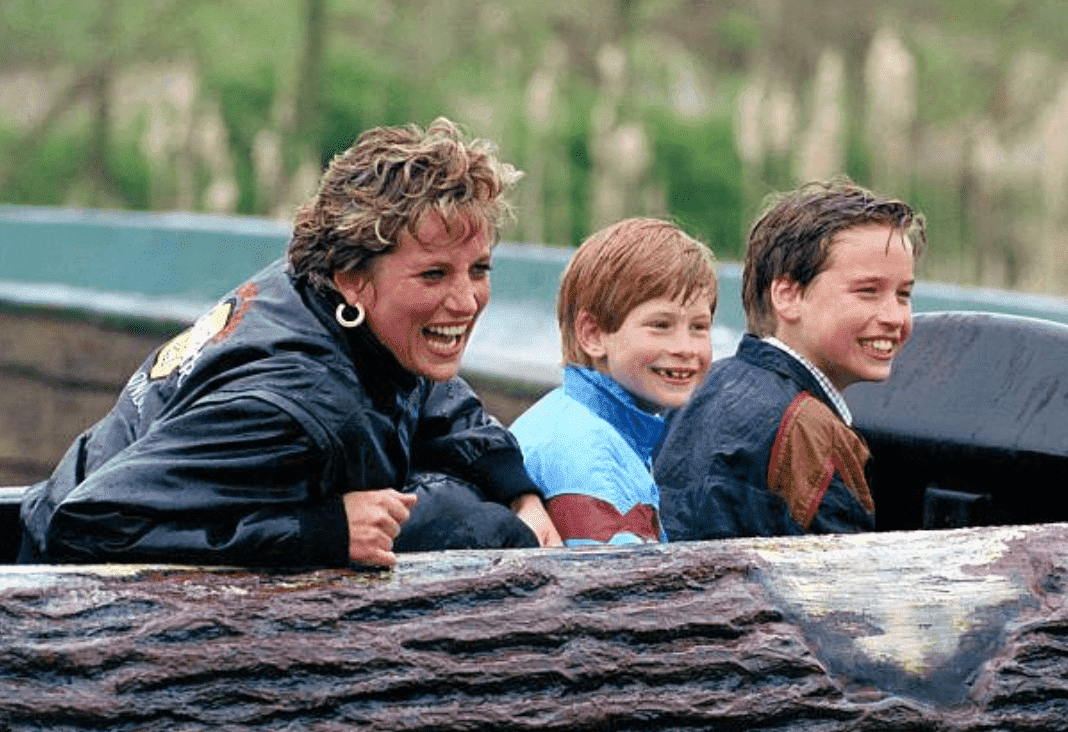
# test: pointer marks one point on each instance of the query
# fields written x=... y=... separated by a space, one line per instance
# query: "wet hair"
x=793 y=236
x=389 y=181
x=624 y=265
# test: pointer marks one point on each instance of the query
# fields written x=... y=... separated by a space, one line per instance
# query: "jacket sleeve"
x=840 y=512
x=456 y=435
x=721 y=506
x=234 y=480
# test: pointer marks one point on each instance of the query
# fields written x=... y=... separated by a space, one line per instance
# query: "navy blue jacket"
x=235 y=441
x=760 y=451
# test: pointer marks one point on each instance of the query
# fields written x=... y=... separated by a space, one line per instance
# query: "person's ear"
x=786 y=296
x=352 y=286
x=589 y=336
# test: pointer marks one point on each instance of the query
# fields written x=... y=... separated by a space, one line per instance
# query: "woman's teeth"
x=445 y=332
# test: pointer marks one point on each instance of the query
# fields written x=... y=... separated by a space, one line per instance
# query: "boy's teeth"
x=881 y=344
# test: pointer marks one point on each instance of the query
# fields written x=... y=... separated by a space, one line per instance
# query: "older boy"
x=766 y=446
x=635 y=311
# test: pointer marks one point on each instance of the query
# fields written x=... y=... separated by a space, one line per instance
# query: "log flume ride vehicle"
x=951 y=617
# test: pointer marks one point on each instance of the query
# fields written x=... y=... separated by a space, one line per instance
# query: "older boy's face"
x=855 y=316
x=662 y=350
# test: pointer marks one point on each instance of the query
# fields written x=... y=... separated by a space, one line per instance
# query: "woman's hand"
x=375 y=518
x=529 y=508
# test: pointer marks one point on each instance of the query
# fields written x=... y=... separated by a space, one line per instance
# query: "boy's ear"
x=786 y=299
x=589 y=335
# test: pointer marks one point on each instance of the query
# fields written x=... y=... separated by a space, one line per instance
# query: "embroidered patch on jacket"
x=186 y=346
x=813 y=444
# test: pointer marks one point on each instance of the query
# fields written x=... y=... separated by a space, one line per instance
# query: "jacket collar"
x=611 y=402
x=765 y=355
x=377 y=367
x=829 y=389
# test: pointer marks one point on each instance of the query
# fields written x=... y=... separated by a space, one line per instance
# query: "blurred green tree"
x=292 y=82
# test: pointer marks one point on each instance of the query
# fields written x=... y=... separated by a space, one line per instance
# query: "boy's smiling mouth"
x=674 y=374
x=882 y=346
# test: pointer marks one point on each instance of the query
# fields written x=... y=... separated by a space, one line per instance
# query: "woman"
x=314 y=416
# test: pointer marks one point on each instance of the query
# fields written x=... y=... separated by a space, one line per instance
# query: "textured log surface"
x=961 y=630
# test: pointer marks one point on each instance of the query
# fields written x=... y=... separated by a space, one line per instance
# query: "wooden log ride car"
x=933 y=630
x=906 y=628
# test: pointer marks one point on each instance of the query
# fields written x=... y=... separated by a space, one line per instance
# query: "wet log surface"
x=958 y=630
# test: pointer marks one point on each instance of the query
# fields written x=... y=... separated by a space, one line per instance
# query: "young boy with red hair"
x=635 y=312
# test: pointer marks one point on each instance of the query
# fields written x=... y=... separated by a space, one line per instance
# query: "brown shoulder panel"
x=813 y=444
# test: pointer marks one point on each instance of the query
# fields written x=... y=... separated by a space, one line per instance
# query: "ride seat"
x=971 y=428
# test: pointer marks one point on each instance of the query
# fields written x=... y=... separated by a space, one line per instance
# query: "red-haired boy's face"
x=661 y=351
x=856 y=314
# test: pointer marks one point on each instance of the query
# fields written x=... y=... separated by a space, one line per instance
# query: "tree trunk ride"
x=957 y=630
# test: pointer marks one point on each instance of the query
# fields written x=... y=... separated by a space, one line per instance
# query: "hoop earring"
x=339 y=314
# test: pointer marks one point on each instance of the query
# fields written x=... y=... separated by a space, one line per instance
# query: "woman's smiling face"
x=422 y=298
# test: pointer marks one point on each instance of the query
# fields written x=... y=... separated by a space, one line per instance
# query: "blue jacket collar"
x=611 y=402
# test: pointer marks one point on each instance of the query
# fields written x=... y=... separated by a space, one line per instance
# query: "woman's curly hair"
x=389 y=180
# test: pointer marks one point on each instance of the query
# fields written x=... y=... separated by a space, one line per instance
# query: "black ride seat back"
x=10 y=532
x=971 y=428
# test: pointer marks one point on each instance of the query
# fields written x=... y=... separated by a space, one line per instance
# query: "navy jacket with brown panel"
x=760 y=451
x=235 y=441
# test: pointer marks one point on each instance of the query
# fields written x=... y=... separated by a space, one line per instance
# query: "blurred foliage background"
x=688 y=109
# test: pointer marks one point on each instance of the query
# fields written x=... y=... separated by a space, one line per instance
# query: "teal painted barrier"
x=171 y=255
x=173 y=266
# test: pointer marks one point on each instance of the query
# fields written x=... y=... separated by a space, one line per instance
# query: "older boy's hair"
x=792 y=238
x=387 y=182
x=624 y=265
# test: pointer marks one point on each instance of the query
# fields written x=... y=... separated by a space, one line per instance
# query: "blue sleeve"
x=840 y=513
x=722 y=507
